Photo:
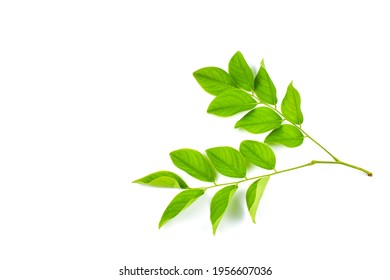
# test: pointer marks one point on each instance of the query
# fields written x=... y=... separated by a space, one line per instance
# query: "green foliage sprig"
x=238 y=91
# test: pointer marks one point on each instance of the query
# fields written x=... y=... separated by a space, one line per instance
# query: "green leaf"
x=258 y=153
x=219 y=204
x=241 y=73
x=179 y=203
x=254 y=194
x=228 y=161
x=287 y=135
x=260 y=120
x=194 y=163
x=291 y=105
x=231 y=102
x=165 y=179
x=264 y=87
x=214 y=80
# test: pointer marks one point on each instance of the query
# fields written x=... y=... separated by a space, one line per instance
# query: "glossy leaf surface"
x=260 y=120
x=258 y=153
x=194 y=163
x=230 y=103
x=214 y=80
x=291 y=105
x=264 y=87
x=228 y=161
x=241 y=73
x=287 y=135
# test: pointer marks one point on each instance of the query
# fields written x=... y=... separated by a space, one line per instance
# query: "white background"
x=95 y=94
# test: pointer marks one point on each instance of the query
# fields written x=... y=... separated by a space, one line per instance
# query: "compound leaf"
x=179 y=203
x=219 y=204
x=231 y=102
x=240 y=71
x=287 y=135
x=227 y=161
x=254 y=194
x=258 y=153
x=291 y=105
x=165 y=179
x=264 y=87
x=214 y=80
x=194 y=163
x=260 y=120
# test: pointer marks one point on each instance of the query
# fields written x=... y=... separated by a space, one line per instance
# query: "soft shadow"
x=254 y=70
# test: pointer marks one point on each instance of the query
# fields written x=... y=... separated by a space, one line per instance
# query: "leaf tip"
x=161 y=224
x=171 y=154
x=196 y=74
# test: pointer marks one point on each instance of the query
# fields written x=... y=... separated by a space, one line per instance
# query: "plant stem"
x=346 y=164
x=318 y=144
x=336 y=160
x=291 y=169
